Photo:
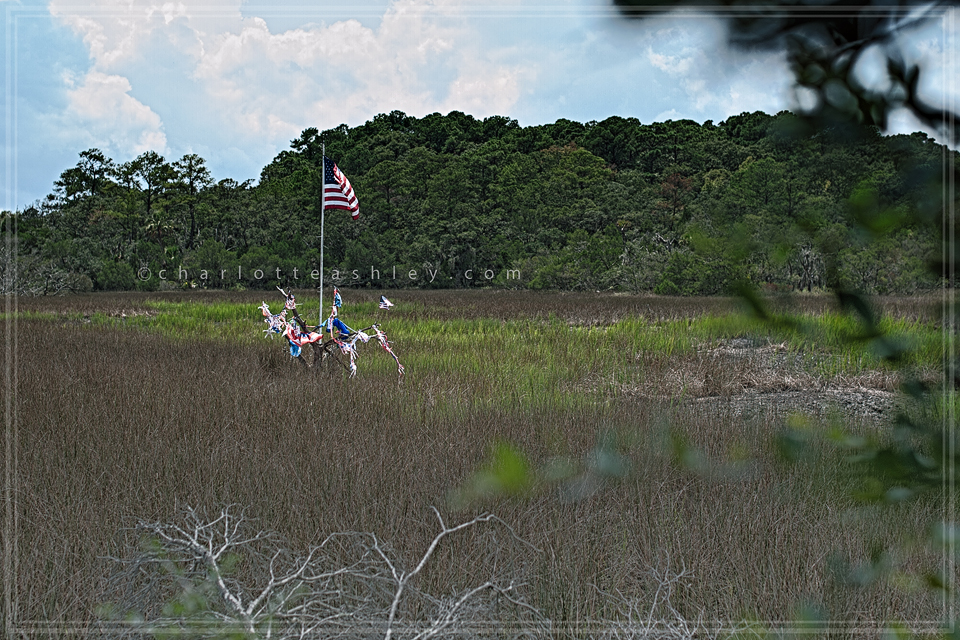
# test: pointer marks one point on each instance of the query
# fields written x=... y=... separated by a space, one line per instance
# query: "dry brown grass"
x=731 y=368
x=117 y=426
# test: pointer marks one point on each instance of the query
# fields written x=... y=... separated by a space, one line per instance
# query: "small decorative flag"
x=274 y=322
x=290 y=303
x=340 y=326
x=337 y=191
x=337 y=300
x=297 y=338
x=384 y=303
x=350 y=349
x=385 y=343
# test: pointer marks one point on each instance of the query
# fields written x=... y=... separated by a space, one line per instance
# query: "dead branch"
x=658 y=618
x=205 y=577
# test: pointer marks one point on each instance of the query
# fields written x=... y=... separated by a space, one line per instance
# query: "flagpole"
x=323 y=190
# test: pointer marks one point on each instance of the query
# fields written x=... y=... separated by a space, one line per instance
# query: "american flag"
x=384 y=303
x=337 y=192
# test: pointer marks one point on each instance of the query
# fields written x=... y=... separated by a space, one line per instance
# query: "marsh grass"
x=129 y=406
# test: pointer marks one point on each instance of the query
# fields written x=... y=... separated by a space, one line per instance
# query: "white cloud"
x=713 y=78
x=115 y=31
x=170 y=11
x=492 y=93
x=421 y=58
x=673 y=65
x=102 y=107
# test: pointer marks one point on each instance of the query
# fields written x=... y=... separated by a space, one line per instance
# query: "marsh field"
x=131 y=407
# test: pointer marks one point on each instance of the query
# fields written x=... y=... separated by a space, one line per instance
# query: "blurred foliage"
x=508 y=473
x=829 y=52
x=828 y=45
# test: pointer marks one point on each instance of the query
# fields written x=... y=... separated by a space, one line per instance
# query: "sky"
x=235 y=82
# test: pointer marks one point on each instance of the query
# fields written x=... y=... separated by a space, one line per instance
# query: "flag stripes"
x=337 y=190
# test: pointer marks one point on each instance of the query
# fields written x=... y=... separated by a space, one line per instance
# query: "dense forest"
x=675 y=208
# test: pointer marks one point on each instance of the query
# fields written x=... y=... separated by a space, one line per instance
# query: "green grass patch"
x=539 y=357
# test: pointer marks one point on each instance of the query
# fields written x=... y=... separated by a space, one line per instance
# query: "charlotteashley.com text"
x=241 y=274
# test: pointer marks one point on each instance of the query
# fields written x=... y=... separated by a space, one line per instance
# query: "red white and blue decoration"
x=341 y=337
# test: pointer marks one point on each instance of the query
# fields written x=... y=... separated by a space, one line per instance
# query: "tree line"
x=675 y=208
